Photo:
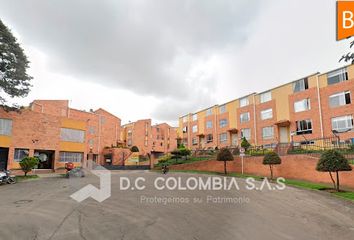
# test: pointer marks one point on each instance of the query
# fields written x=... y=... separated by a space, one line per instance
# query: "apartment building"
x=56 y=133
x=315 y=106
x=159 y=138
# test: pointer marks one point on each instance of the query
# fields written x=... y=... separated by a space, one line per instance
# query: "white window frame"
x=244 y=102
x=304 y=131
x=341 y=99
x=223 y=137
x=5 y=126
x=304 y=85
x=267 y=114
x=195 y=128
x=347 y=119
x=194 y=141
x=266 y=97
x=185 y=119
x=209 y=112
x=209 y=124
x=71 y=156
x=72 y=135
x=18 y=152
x=194 y=117
x=222 y=108
x=247 y=119
x=342 y=75
x=248 y=130
x=223 y=123
x=302 y=105
x=209 y=140
x=268 y=132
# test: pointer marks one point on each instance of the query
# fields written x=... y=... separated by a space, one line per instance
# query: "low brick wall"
x=300 y=167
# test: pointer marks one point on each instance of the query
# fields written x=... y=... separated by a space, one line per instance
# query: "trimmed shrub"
x=245 y=144
x=225 y=155
x=28 y=163
x=333 y=161
x=271 y=159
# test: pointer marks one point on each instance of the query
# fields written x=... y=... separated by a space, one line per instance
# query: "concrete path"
x=43 y=209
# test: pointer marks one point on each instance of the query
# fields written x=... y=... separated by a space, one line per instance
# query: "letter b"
x=348 y=19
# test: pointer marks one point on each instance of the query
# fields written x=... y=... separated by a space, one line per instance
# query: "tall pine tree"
x=14 y=80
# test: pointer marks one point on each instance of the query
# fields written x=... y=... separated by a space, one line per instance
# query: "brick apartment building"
x=159 y=138
x=56 y=133
x=316 y=106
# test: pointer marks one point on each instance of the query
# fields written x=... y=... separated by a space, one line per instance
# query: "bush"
x=333 y=161
x=164 y=158
x=134 y=149
x=271 y=158
x=28 y=163
x=236 y=151
x=245 y=144
x=225 y=155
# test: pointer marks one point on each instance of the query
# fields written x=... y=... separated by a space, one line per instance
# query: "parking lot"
x=43 y=209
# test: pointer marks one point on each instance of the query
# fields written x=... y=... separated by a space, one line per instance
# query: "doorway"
x=234 y=139
x=4 y=153
x=284 y=134
x=45 y=157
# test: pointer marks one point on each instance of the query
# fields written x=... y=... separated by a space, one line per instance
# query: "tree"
x=333 y=161
x=225 y=155
x=185 y=152
x=271 y=159
x=349 y=57
x=245 y=144
x=14 y=80
x=134 y=149
x=28 y=163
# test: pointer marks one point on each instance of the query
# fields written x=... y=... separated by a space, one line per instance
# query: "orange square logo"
x=345 y=19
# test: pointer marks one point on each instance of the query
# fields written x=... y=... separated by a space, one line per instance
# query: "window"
x=195 y=117
x=102 y=120
x=129 y=143
x=185 y=119
x=130 y=133
x=209 y=124
x=5 y=126
x=195 y=128
x=337 y=76
x=244 y=117
x=185 y=129
x=246 y=133
x=72 y=135
x=339 y=99
x=302 y=105
x=265 y=97
x=300 y=85
x=209 y=138
x=267 y=114
x=91 y=142
x=267 y=132
x=20 y=154
x=194 y=141
x=70 y=156
x=222 y=108
x=244 y=102
x=209 y=112
x=223 y=123
x=343 y=123
x=92 y=130
x=303 y=127
x=223 y=137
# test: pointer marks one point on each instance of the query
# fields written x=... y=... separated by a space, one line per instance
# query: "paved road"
x=42 y=209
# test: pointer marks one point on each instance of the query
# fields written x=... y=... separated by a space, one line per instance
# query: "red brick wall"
x=293 y=167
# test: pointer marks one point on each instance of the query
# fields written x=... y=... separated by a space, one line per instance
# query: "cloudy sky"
x=161 y=59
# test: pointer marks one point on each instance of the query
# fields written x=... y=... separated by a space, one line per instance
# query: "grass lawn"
x=28 y=177
x=296 y=183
